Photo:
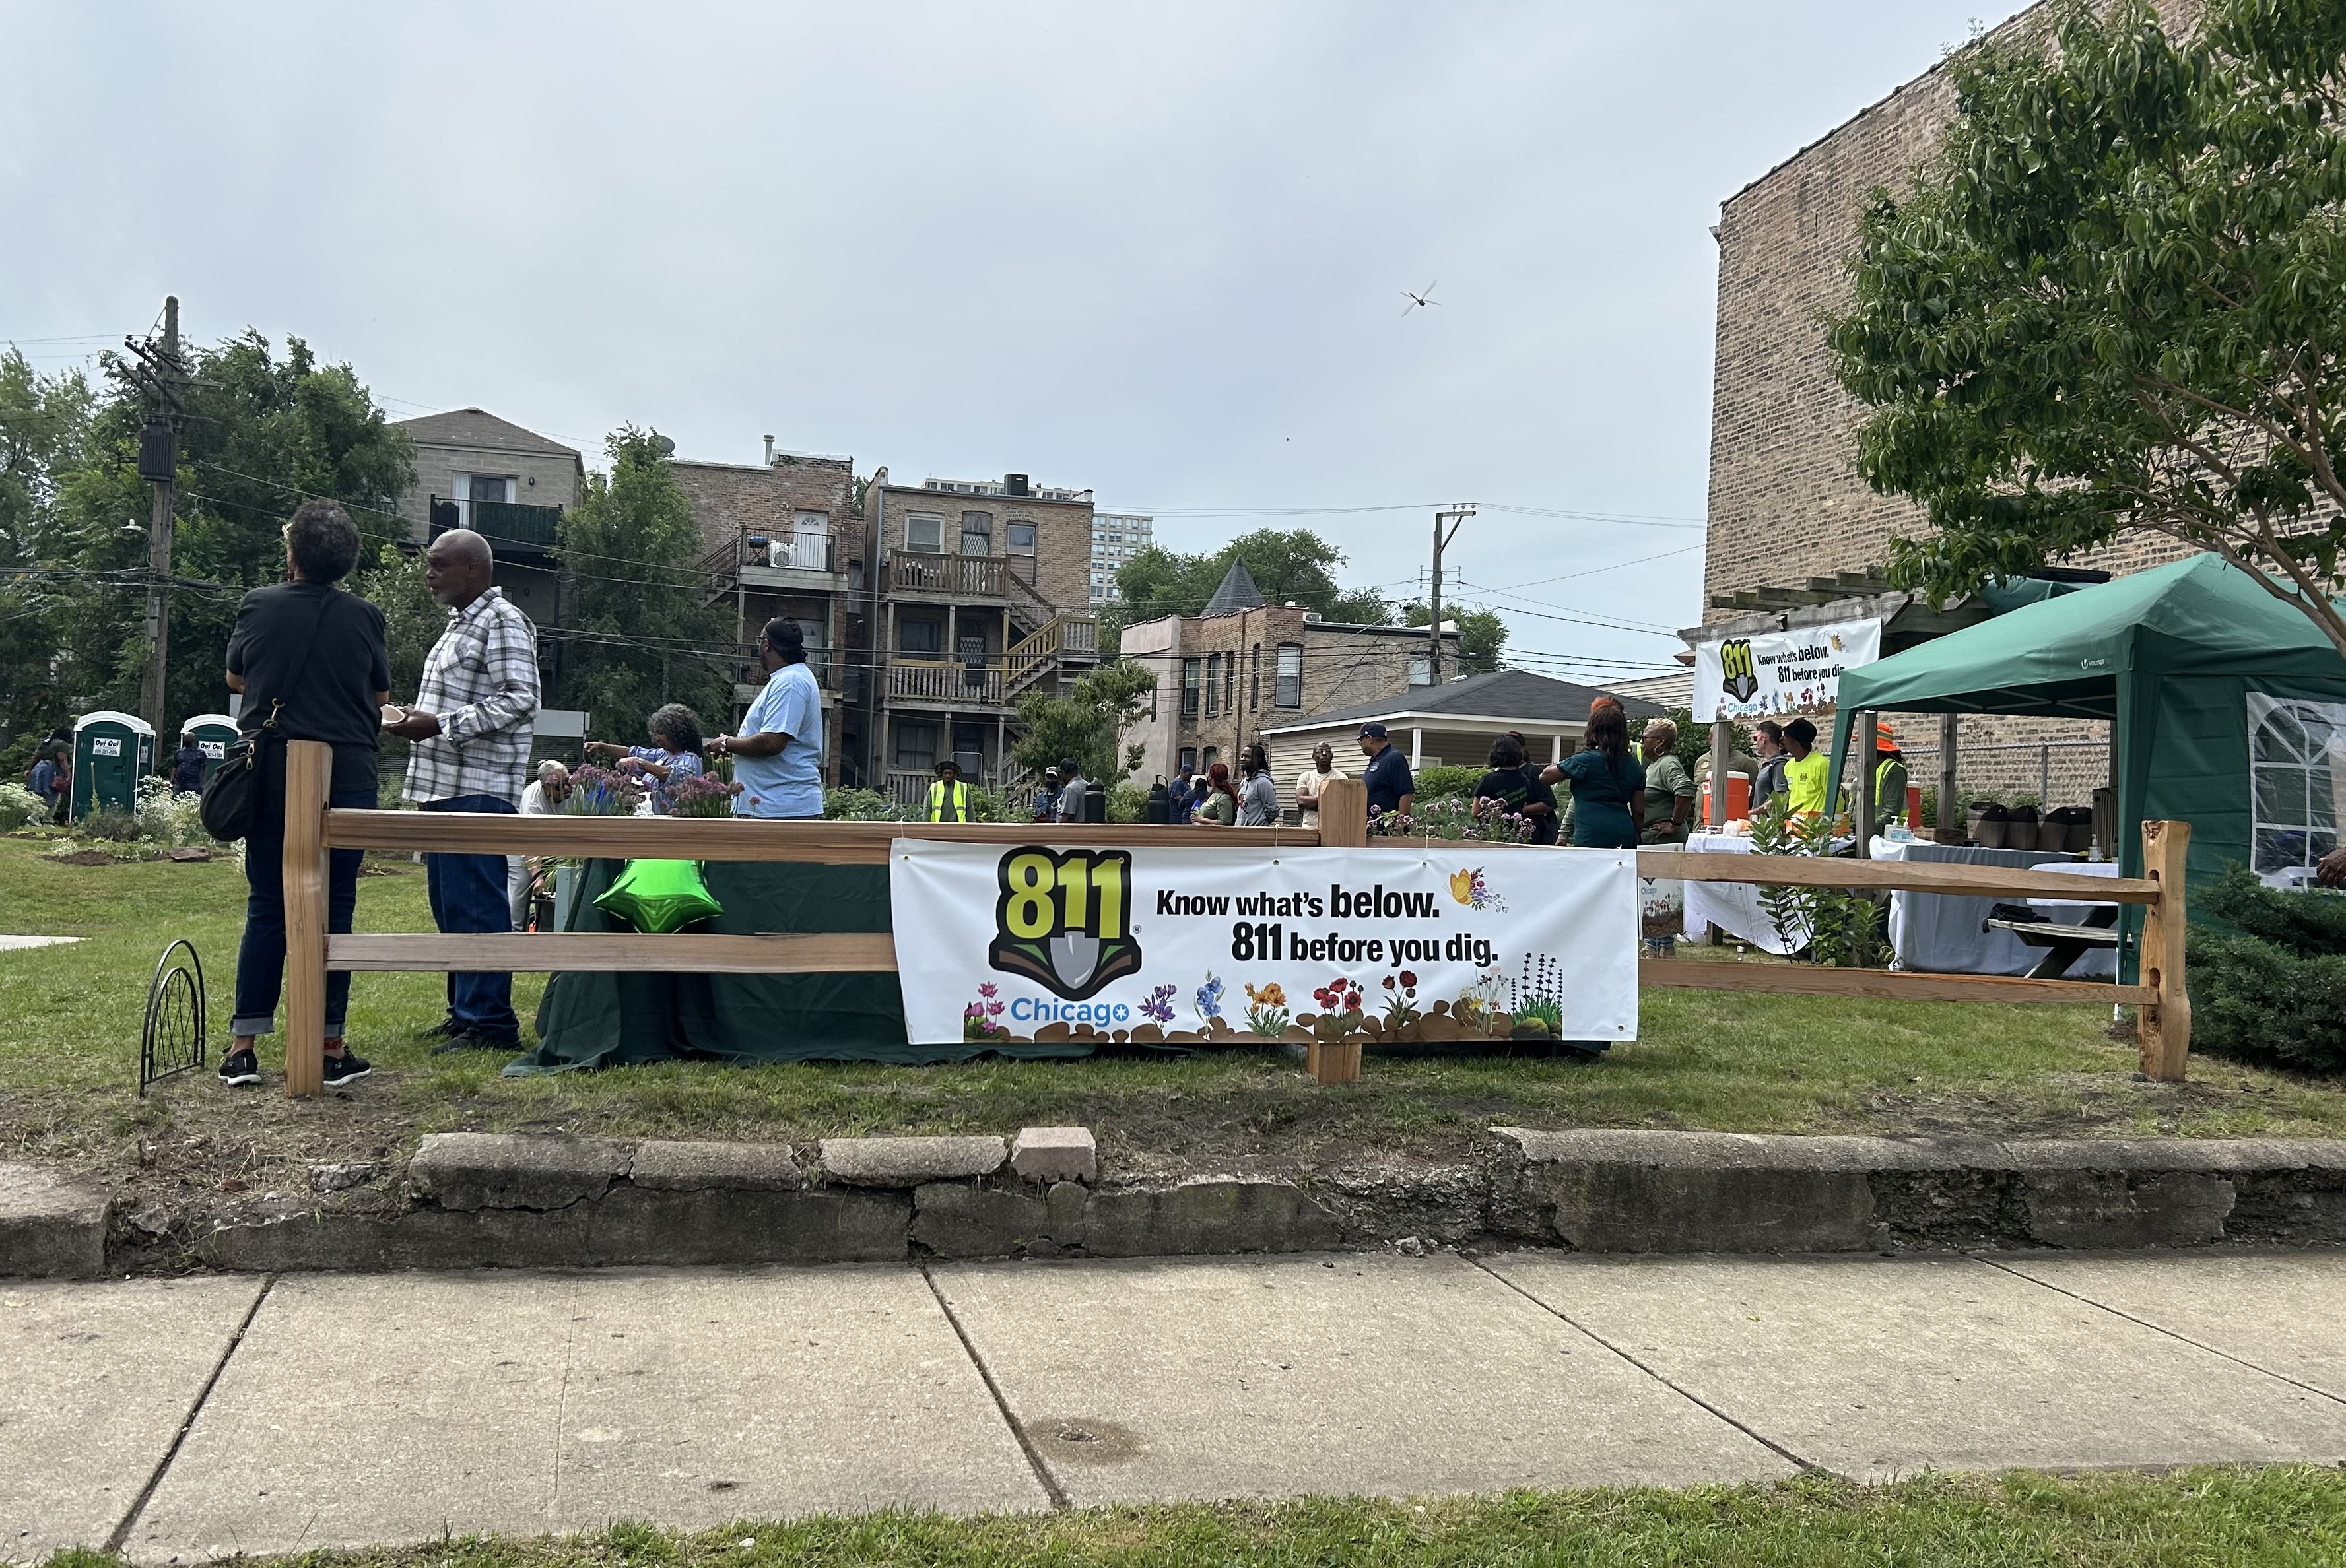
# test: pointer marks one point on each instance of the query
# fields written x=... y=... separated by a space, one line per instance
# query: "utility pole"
x=1456 y=517
x=161 y=374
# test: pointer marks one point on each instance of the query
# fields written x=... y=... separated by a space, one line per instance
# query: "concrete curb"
x=52 y=1225
x=490 y=1200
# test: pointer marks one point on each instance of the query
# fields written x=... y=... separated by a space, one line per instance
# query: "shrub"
x=860 y=806
x=19 y=806
x=1128 y=803
x=171 y=818
x=1447 y=783
x=2268 y=984
x=118 y=827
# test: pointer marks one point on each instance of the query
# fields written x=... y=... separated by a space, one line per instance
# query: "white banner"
x=995 y=942
x=1769 y=673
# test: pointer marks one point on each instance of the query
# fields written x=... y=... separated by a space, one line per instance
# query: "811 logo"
x=1065 y=920
x=1738 y=675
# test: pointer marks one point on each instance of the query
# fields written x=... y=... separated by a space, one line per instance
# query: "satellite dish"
x=664 y=445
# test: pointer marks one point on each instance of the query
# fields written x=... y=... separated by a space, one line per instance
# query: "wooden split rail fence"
x=311 y=830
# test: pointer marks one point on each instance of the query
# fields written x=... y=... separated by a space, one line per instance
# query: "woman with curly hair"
x=676 y=752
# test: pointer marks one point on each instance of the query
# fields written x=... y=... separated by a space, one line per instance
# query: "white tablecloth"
x=1733 y=907
x=1943 y=933
x=1956 y=944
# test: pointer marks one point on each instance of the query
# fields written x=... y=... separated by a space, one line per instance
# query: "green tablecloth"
x=588 y=1019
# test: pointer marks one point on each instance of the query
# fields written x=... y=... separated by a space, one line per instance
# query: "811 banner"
x=1437 y=941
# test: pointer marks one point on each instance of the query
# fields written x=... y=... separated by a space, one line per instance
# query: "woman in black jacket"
x=313 y=664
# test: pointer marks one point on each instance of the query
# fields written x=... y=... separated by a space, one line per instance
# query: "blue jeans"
x=260 y=959
x=468 y=894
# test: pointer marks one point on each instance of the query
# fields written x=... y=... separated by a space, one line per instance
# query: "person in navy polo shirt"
x=1391 y=788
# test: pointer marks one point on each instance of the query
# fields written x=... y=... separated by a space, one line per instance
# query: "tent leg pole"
x=1951 y=809
x=1722 y=747
x=1861 y=764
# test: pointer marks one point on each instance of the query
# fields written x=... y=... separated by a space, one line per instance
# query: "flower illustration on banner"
x=978 y=1019
x=1210 y=999
x=1267 y=1014
x=1469 y=888
x=1339 y=1004
x=1158 y=1004
x=1401 y=1005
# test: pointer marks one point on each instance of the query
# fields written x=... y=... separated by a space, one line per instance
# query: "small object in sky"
x=1426 y=297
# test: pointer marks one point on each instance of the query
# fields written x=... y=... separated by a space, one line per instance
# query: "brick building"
x=474 y=470
x=783 y=538
x=982 y=595
x=1245 y=666
x=1787 y=504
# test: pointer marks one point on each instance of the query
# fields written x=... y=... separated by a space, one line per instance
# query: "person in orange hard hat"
x=1889 y=778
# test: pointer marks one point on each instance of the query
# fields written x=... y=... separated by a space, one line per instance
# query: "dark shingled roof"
x=472 y=427
x=1515 y=694
x=1236 y=593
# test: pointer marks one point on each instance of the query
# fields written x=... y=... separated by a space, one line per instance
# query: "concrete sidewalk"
x=185 y=1419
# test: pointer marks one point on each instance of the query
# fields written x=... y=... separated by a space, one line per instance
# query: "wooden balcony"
x=947 y=577
x=950 y=683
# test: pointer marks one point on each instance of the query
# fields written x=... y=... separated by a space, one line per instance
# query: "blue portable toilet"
x=112 y=751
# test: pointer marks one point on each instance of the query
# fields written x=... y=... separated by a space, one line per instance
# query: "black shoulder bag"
x=235 y=784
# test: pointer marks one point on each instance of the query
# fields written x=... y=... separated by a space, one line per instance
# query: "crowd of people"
x=312 y=663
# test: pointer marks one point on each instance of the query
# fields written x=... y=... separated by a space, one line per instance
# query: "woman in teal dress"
x=1608 y=784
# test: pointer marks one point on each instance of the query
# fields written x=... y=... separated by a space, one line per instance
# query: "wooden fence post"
x=1343 y=825
x=1344 y=814
x=2164 y=1027
x=309 y=769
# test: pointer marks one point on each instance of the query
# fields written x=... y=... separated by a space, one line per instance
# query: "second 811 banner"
x=1434 y=940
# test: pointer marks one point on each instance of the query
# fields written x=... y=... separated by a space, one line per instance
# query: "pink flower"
x=986 y=988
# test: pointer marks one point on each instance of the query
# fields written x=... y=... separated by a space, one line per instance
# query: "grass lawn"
x=2290 y=1515
x=68 y=1052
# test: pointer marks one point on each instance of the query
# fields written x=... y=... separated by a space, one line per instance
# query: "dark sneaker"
x=446 y=1029
x=472 y=1039
x=238 y=1068
x=347 y=1068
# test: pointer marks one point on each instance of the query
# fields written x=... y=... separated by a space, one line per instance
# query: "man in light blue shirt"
x=777 y=756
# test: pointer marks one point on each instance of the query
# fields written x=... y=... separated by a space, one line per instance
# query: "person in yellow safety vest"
x=948 y=797
x=1805 y=767
x=1889 y=778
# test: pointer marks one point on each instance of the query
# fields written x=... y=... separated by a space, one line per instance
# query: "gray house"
x=474 y=470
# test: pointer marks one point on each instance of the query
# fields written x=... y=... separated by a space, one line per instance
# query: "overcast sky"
x=1154 y=250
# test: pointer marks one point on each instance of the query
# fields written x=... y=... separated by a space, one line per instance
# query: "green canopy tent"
x=2172 y=657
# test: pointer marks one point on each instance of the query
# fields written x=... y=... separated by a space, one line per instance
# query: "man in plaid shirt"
x=470 y=730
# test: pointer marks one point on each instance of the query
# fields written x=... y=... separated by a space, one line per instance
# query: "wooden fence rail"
x=311 y=830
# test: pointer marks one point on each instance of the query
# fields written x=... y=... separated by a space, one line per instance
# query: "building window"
x=1287 y=690
x=1189 y=668
x=926 y=531
x=1421 y=669
x=917 y=747
x=919 y=638
x=977 y=534
x=1211 y=755
x=1213 y=684
x=1230 y=682
x=1189 y=758
x=1254 y=678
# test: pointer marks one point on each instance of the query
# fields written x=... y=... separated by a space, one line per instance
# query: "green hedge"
x=1448 y=783
x=2268 y=981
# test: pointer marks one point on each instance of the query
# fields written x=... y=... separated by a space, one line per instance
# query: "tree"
x=1286 y=564
x=1100 y=706
x=44 y=436
x=260 y=435
x=639 y=635
x=1481 y=635
x=2118 y=301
